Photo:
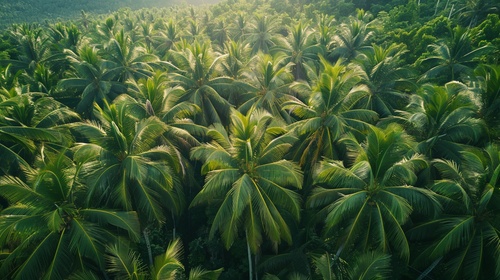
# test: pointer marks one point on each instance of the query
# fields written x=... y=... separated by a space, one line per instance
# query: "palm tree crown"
x=246 y=175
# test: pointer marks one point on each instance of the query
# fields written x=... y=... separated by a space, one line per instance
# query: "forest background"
x=299 y=139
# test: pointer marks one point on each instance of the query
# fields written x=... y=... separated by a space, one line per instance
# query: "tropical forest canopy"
x=21 y=11
x=299 y=139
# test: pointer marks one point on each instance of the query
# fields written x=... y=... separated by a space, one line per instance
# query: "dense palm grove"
x=254 y=139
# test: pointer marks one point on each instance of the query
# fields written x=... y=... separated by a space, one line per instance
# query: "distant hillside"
x=39 y=11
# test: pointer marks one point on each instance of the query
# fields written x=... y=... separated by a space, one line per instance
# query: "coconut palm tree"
x=238 y=28
x=197 y=75
x=167 y=265
x=161 y=101
x=127 y=60
x=9 y=83
x=262 y=34
x=350 y=40
x=29 y=123
x=90 y=82
x=106 y=30
x=328 y=114
x=366 y=203
x=48 y=231
x=65 y=36
x=387 y=78
x=237 y=58
x=299 y=48
x=487 y=85
x=473 y=12
x=248 y=180
x=444 y=120
x=465 y=240
x=124 y=263
x=125 y=164
x=167 y=35
x=40 y=67
x=450 y=60
x=270 y=82
x=220 y=34
x=325 y=28
x=33 y=46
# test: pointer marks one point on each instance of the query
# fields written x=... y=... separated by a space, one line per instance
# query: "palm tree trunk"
x=451 y=11
x=255 y=264
x=436 y=9
x=174 y=229
x=250 y=267
x=145 y=232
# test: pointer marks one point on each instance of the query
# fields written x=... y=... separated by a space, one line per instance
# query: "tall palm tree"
x=220 y=34
x=350 y=40
x=106 y=30
x=466 y=238
x=125 y=164
x=328 y=113
x=168 y=265
x=9 y=83
x=487 y=85
x=197 y=75
x=162 y=101
x=124 y=263
x=387 y=78
x=443 y=120
x=325 y=28
x=33 y=46
x=29 y=123
x=248 y=180
x=238 y=28
x=166 y=36
x=237 y=58
x=35 y=58
x=262 y=34
x=473 y=12
x=367 y=203
x=299 y=48
x=65 y=36
x=90 y=82
x=270 y=86
x=127 y=59
x=457 y=57
x=48 y=231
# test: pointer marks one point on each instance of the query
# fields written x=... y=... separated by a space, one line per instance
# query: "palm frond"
x=216 y=185
x=88 y=240
x=167 y=265
x=122 y=262
x=283 y=172
x=346 y=206
x=395 y=233
x=127 y=221
x=59 y=267
x=198 y=273
x=40 y=258
x=460 y=230
x=371 y=266
x=324 y=267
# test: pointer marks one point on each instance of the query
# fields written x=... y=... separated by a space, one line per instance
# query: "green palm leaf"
x=371 y=266
x=127 y=221
x=198 y=273
x=87 y=240
x=124 y=263
x=59 y=268
x=34 y=264
x=167 y=265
